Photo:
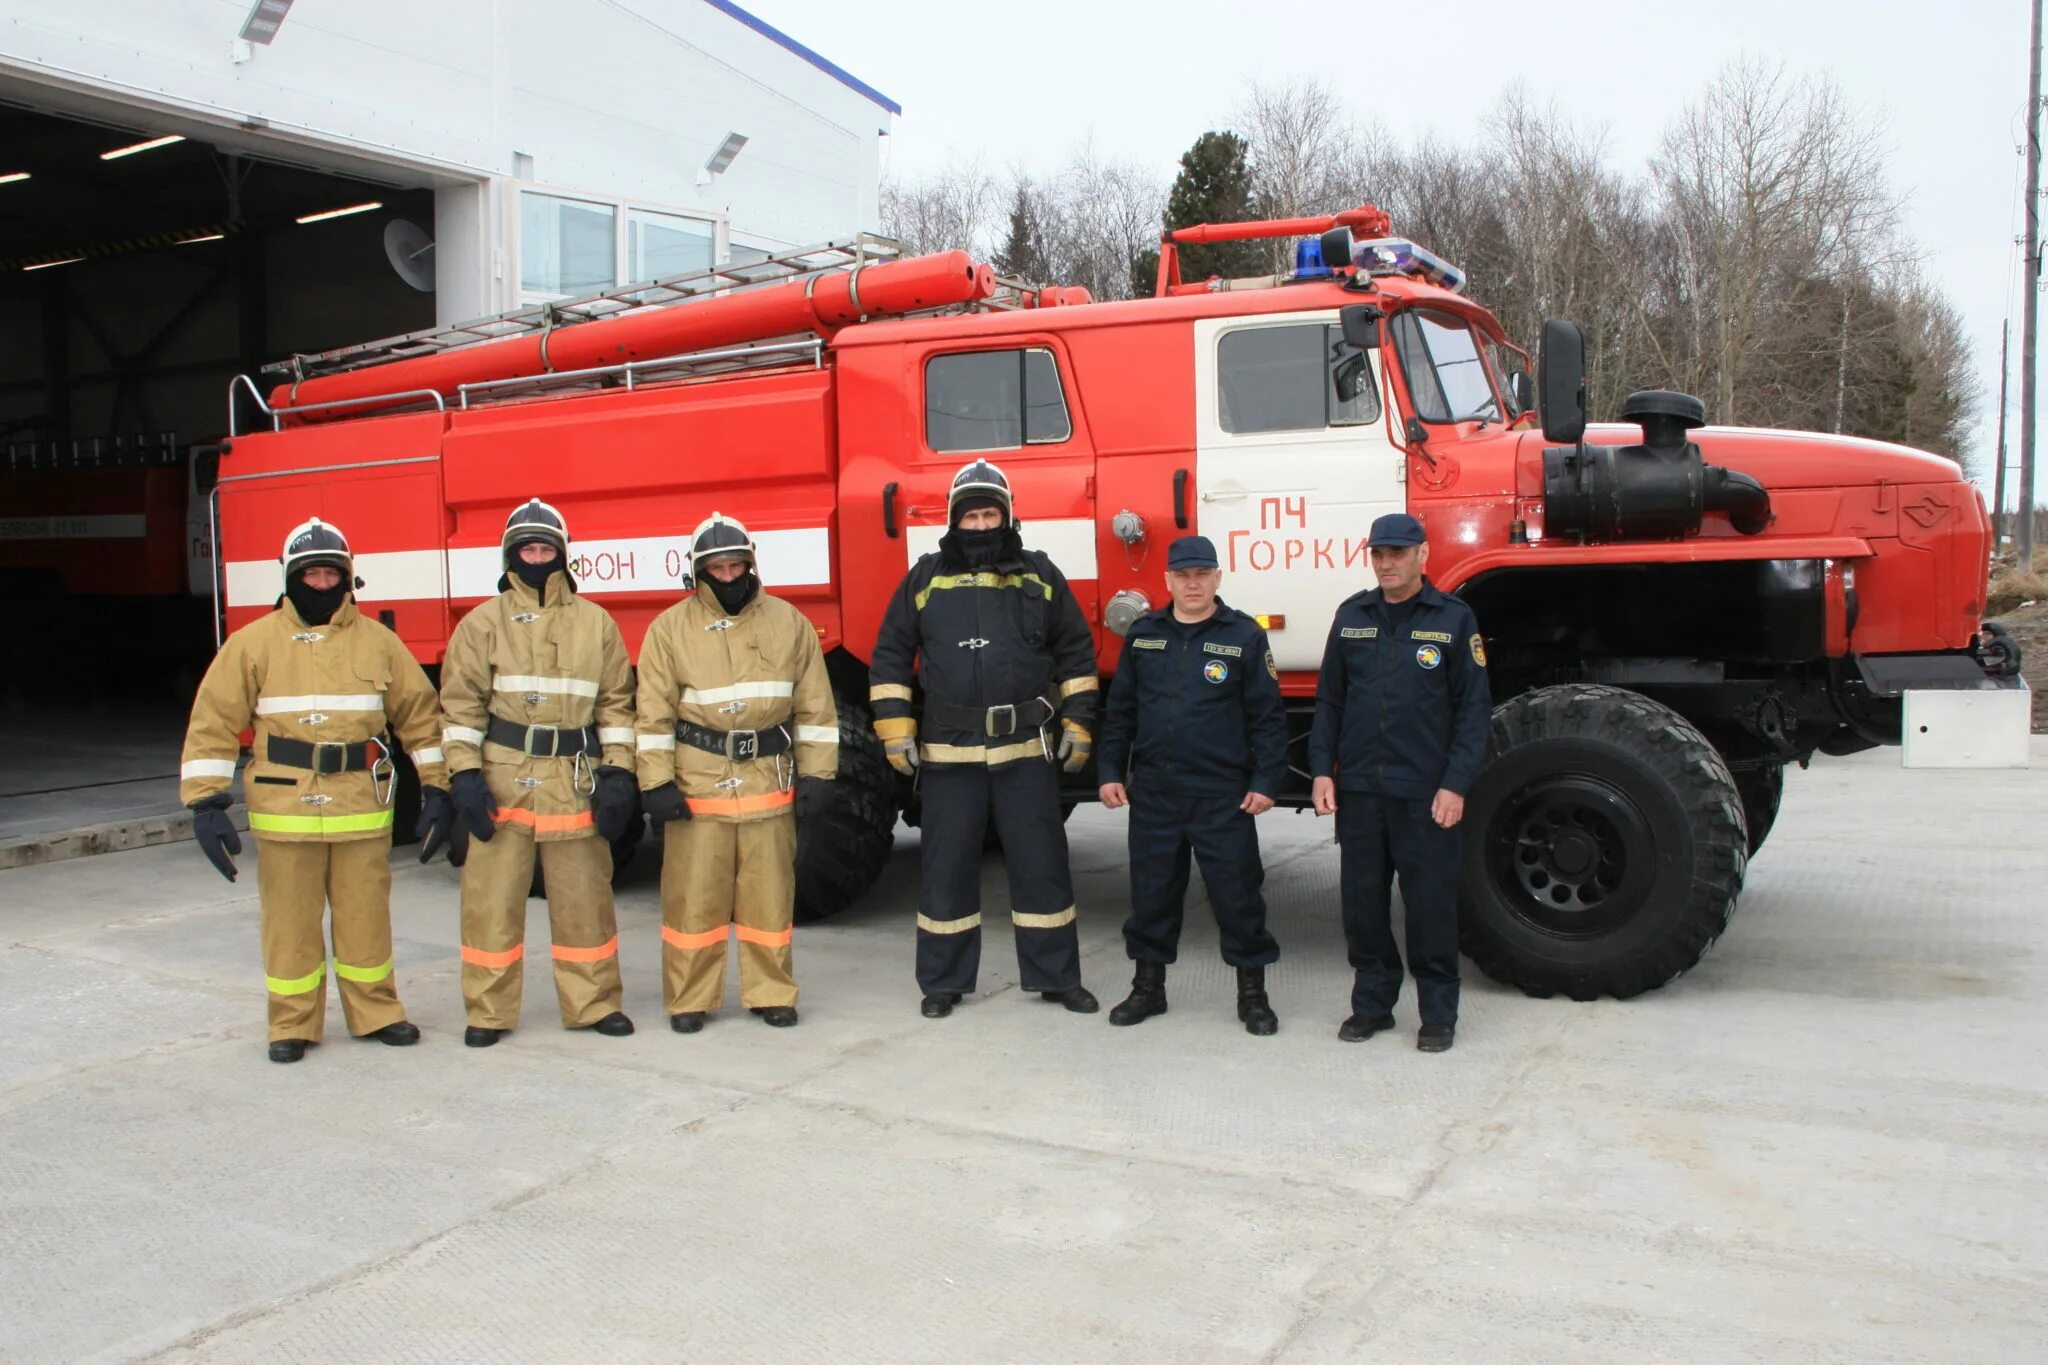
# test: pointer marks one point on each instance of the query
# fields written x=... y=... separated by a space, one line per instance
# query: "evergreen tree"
x=1023 y=256
x=1215 y=186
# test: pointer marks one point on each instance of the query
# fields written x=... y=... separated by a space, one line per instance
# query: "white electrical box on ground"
x=1977 y=728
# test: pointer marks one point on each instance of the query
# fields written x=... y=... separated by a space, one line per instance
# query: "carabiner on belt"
x=383 y=771
x=582 y=771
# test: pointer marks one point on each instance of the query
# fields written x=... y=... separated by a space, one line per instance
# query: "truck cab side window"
x=994 y=400
x=1301 y=377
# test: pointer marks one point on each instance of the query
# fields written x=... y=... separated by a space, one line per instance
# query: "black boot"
x=401 y=1034
x=1435 y=1037
x=938 y=1004
x=482 y=1037
x=1147 y=998
x=614 y=1025
x=1360 y=1027
x=1077 y=999
x=777 y=1016
x=690 y=1021
x=1254 y=1011
x=287 y=1049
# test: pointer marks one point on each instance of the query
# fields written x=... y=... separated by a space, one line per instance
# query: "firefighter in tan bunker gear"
x=737 y=736
x=537 y=702
x=320 y=683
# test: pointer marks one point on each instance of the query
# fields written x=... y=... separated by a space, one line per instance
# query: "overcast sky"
x=1023 y=83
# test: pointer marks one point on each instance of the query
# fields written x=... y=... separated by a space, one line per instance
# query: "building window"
x=659 y=245
x=566 y=246
x=994 y=400
x=1300 y=377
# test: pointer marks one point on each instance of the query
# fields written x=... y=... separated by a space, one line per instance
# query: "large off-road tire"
x=1604 y=845
x=842 y=846
x=1763 y=791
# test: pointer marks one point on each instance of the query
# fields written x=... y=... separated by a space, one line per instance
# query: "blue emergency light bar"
x=1399 y=256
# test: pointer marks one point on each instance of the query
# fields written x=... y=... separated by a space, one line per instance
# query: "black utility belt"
x=995 y=722
x=327 y=756
x=737 y=745
x=544 y=741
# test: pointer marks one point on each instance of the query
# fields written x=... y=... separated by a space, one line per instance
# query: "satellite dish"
x=411 y=253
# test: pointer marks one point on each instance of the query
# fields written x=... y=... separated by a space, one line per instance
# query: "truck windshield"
x=1446 y=373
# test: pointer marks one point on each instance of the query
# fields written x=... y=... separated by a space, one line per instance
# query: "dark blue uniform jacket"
x=1402 y=713
x=1196 y=711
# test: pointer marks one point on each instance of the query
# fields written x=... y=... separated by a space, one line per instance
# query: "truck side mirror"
x=1522 y=390
x=1561 y=378
x=1361 y=325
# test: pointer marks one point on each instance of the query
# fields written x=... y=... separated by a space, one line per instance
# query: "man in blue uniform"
x=1196 y=720
x=993 y=633
x=1402 y=712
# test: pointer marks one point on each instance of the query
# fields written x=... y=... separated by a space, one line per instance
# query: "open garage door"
x=138 y=275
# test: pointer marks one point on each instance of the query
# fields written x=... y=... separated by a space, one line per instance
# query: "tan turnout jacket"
x=343 y=682
x=562 y=663
x=754 y=671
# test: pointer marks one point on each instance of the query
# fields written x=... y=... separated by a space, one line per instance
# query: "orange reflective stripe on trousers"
x=544 y=824
x=676 y=938
x=478 y=957
x=597 y=954
x=740 y=805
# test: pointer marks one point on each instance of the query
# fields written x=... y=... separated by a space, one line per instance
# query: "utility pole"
x=2031 y=314
x=1998 y=475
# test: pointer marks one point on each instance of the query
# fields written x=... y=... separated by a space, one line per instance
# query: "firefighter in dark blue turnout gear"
x=1010 y=691
x=1402 y=714
x=1197 y=727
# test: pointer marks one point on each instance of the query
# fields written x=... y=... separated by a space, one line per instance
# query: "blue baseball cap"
x=1396 y=529
x=1191 y=552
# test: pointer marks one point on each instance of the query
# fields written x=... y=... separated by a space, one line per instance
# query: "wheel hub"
x=1569 y=852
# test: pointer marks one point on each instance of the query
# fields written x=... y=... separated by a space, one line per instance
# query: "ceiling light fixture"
x=45 y=265
x=341 y=213
x=10 y=177
x=148 y=146
x=266 y=17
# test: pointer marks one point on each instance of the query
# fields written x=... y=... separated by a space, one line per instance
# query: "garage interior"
x=139 y=273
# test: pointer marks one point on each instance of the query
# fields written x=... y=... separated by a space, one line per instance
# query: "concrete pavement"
x=1827 y=1142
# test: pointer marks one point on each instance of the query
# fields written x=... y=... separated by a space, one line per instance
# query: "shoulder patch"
x=1231 y=651
x=1272 y=669
x=1478 y=649
x=1148 y=642
x=1360 y=632
x=1442 y=637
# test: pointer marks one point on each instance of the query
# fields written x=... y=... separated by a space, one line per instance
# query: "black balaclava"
x=315 y=606
x=980 y=549
x=736 y=594
x=535 y=576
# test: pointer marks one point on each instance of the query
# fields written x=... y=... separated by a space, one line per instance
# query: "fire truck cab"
x=1671 y=614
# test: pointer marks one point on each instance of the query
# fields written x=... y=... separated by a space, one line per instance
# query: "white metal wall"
x=615 y=98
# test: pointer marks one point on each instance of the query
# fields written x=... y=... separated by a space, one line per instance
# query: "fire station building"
x=192 y=189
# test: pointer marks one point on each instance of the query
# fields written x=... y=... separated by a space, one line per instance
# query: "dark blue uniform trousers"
x=1377 y=837
x=1023 y=798
x=1163 y=831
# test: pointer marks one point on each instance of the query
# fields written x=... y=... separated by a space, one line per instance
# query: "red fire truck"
x=1671 y=613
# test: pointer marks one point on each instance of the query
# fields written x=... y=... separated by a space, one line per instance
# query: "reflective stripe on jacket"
x=754 y=671
x=344 y=682
x=538 y=660
x=979 y=639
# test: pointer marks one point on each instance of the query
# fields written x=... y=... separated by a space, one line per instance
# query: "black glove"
x=664 y=803
x=613 y=802
x=436 y=822
x=215 y=833
x=811 y=795
x=474 y=804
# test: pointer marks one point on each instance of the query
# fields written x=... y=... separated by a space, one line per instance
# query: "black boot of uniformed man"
x=1253 y=1009
x=1147 y=997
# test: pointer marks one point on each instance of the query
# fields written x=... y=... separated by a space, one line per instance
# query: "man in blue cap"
x=1402 y=713
x=1196 y=721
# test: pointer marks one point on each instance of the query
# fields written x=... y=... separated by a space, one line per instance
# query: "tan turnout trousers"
x=720 y=879
x=297 y=881
x=581 y=923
